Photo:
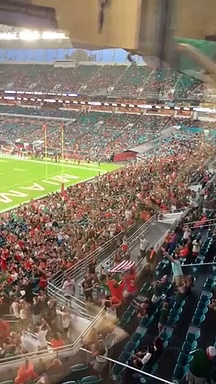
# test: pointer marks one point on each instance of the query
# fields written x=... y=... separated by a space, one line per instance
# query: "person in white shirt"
x=15 y=308
x=29 y=343
x=186 y=233
x=140 y=359
x=66 y=321
x=196 y=247
x=143 y=246
x=24 y=313
x=41 y=334
x=69 y=287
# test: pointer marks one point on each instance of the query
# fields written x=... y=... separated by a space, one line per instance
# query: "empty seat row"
x=193 y=335
x=87 y=380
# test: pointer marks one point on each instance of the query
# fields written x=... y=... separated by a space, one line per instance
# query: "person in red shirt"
x=57 y=341
x=3 y=263
x=26 y=373
x=43 y=282
x=4 y=330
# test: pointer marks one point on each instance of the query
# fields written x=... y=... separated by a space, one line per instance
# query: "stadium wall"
x=124 y=156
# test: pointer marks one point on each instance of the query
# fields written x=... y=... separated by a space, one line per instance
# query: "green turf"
x=23 y=180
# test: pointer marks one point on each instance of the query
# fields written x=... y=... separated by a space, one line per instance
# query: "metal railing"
x=109 y=261
x=105 y=255
x=102 y=255
x=143 y=262
x=56 y=352
x=76 y=306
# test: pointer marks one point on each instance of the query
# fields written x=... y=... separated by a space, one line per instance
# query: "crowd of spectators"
x=127 y=80
x=162 y=80
x=101 y=139
x=92 y=134
x=132 y=80
x=39 y=112
x=45 y=78
x=25 y=130
x=106 y=77
x=189 y=123
x=162 y=302
x=46 y=243
x=36 y=243
x=145 y=128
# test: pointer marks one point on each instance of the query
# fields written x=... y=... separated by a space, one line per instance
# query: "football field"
x=23 y=179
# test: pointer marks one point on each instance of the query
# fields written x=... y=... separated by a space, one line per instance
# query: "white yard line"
x=26 y=182
x=42 y=196
x=62 y=165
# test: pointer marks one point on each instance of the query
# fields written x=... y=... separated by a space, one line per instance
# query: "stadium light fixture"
x=29 y=35
x=46 y=35
x=8 y=36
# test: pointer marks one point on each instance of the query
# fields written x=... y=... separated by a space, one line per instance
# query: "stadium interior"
x=107 y=192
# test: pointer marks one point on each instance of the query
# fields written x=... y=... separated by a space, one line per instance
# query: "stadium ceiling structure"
x=144 y=27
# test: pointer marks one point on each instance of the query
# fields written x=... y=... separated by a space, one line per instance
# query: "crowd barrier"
x=73 y=348
x=14 y=362
x=104 y=255
x=108 y=263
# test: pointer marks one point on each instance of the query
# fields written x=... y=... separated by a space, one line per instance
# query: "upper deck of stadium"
x=95 y=228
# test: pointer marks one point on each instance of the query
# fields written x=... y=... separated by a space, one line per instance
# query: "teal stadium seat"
x=198 y=320
x=173 y=320
x=131 y=346
x=191 y=337
x=117 y=369
x=91 y=380
x=145 y=288
x=126 y=318
x=188 y=347
x=78 y=370
x=205 y=301
x=68 y=382
x=146 y=321
x=145 y=379
x=166 y=333
x=179 y=372
x=136 y=337
x=184 y=359
x=201 y=310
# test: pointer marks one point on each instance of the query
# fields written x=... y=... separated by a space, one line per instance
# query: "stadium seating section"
x=94 y=133
x=188 y=321
x=116 y=80
x=49 y=236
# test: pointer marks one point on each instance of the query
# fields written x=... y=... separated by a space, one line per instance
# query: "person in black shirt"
x=36 y=310
x=88 y=288
x=92 y=266
x=28 y=292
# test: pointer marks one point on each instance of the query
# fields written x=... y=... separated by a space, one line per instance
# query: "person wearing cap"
x=201 y=365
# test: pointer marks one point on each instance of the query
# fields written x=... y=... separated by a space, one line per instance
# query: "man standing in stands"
x=176 y=267
x=201 y=365
x=143 y=246
x=69 y=287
